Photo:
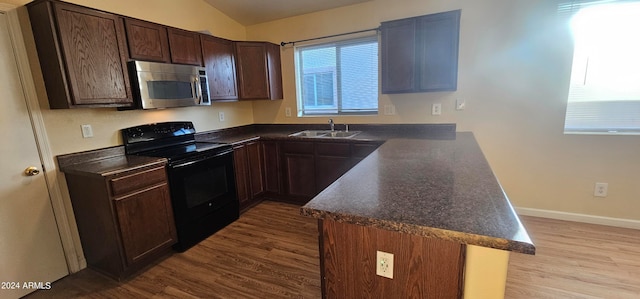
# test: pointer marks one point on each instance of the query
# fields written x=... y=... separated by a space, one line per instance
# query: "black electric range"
x=201 y=177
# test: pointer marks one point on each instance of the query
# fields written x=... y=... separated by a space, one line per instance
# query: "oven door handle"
x=191 y=162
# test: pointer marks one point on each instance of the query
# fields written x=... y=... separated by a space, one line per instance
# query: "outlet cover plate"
x=436 y=109
x=601 y=190
x=389 y=110
x=87 y=131
x=384 y=264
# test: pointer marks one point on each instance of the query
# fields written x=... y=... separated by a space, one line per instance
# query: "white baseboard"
x=618 y=222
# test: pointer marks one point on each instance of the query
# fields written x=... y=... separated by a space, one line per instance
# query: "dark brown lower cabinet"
x=423 y=267
x=361 y=150
x=296 y=171
x=125 y=220
x=271 y=160
x=293 y=171
x=299 y=170
x=249 y=173
x=332 y=161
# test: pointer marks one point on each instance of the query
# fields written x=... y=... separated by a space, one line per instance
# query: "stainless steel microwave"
x=163 y=85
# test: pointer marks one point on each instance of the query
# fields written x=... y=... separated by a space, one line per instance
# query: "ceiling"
x=251 y=12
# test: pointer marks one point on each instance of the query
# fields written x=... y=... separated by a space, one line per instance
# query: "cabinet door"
x=299 y=170
x=241 y=167
x=254 y=159
x=271 y=158
x=275 y=72
x=184 y=46
x=398 y=56
x=332 y=161
x=361 y=150
x=219 y=60
x=94 y=55
x=252 y=70
x=438 y=51
x=146 y=222
x=300 y=176
x=147 y=41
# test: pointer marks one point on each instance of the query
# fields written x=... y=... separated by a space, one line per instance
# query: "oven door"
x=202 y=187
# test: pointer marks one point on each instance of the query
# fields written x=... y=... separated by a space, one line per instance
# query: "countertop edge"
x=80 y=168
x=423 y=231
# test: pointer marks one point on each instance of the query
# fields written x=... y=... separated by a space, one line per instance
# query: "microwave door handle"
x=198 y=89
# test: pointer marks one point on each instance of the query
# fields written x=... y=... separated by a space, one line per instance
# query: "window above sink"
x=338 y=77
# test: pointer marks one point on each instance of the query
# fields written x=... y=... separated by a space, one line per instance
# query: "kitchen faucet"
x=331 y=124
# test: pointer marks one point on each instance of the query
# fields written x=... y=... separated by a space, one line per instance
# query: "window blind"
x=338 y=77
x=604 y=94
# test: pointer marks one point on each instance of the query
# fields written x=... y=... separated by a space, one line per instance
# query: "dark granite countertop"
x=368 y=132
x=104 y=162
x=432 y=188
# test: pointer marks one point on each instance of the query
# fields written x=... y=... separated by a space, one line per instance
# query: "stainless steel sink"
x=310 y=133
x=342 y=134
x=325 y=134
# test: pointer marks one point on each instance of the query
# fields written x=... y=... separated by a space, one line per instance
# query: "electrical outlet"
x=389 y=110
x=221 y=116
x=87 y=131
x=460 y=104
x=601 y=190
x=287 y=112
x=384 y=264
x=436 y=109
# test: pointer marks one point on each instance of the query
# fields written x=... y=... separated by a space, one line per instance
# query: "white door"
x=31 y=254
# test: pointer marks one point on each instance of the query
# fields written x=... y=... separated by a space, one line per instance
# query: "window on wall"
x=604 y=91
x=338 y=77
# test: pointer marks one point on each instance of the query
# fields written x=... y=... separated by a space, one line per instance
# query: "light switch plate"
x=460 y=104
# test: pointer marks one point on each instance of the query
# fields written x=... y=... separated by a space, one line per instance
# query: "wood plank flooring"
x=272 y=252
x=576 y=260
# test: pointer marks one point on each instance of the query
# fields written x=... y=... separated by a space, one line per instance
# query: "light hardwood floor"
x=576 y=260
x=271 y=252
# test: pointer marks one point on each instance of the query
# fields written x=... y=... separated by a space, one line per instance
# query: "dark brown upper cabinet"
x=259 y=71
x=220 y=61
x=147 y=41
x=184 y=46
x=82 y=54
x=420 y=54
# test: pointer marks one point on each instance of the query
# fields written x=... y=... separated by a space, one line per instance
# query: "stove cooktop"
x=187 y=150
x=171 y=140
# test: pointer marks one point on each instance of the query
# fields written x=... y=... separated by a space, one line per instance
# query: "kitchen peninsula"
x=427 y=195
x=436 y=205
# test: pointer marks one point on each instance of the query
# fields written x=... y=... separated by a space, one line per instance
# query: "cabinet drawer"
x=297 y=148
x=138 y=180
x=332 y=149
